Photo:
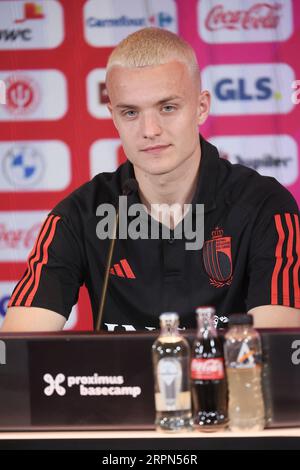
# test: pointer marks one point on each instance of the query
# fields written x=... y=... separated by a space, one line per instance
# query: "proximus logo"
x=54 y=384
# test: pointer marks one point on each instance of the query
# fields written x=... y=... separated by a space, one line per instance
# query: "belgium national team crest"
x=217 y=259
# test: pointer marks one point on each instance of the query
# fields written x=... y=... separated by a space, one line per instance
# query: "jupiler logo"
x=54 y=384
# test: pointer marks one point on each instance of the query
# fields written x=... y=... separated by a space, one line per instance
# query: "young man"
x=251 y=254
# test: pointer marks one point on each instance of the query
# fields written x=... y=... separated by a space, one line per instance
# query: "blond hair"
x=153 y=46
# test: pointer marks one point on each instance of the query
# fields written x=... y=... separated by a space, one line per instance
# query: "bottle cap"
x=206 y=310
x=169 y=317
x=241 y=319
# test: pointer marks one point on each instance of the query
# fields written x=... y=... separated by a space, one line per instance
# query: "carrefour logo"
x=107 y=22
x=54 y=384
x=161 y=19
x=249 y=89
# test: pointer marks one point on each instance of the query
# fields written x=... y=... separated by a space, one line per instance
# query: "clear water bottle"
x=208 y=379
x=243 y=358
x=171 y=361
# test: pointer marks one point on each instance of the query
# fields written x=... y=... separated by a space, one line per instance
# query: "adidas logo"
x=122 y=269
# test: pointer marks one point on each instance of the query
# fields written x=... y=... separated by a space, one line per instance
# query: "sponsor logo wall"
x=56 y=132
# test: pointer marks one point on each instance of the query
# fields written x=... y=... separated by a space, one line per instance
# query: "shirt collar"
x=208 y=176
x=207 y=182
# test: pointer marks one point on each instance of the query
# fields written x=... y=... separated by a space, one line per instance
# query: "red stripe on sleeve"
x=27 y=277
x=32 y=270
x=42 y=262
x=278 y=256
x=297 y=265
x=290 y=258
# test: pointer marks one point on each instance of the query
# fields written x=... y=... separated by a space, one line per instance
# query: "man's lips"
x=155 y=148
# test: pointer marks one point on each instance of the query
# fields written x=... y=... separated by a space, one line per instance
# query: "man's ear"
x=203 y=106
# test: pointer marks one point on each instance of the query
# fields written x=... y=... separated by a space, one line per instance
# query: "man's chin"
x=158 y=168
x=158 y=171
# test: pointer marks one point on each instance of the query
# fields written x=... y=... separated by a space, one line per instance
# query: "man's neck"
x=177 y=187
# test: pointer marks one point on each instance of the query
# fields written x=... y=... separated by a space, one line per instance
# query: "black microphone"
x=129 y=187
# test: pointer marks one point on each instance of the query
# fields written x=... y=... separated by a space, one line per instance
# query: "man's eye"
x=169 y=108
x=130 y=113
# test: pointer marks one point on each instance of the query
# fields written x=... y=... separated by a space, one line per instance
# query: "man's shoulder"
x=246 y=187
x=84 y=200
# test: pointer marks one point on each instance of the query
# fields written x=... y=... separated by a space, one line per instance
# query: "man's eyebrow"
x=124 y=105
x=169 y=98
x=162 y=101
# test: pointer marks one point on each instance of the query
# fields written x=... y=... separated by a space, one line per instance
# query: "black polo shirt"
x=250 y=256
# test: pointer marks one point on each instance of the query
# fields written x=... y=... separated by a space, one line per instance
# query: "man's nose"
x=151 y=125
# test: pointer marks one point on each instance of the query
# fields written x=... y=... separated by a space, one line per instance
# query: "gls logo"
x=249 y=89
x=226 y=89
x=296 y=354
x=54 y=384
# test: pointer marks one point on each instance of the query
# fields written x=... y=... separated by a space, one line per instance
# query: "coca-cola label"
x=207 y=369
x=18 y=232
x=232 y=21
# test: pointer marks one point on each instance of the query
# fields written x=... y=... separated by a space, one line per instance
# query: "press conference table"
x=284 y=438
x=33 y=420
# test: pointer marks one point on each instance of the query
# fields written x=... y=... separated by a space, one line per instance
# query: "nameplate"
x=105 y=381
x=81 y=381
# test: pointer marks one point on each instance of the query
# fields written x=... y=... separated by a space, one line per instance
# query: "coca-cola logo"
x=18 y=238
x=259 y=16
x=207 y=368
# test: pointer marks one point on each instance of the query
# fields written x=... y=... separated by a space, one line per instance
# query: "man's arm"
x=275 y=316
x=273 y=295
x=31 y=319
x=43 y=298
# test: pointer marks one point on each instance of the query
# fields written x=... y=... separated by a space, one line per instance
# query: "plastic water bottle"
x=243 y=358
x=171 y=361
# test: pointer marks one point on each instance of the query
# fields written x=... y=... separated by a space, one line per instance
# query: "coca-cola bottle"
x=208 y=378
